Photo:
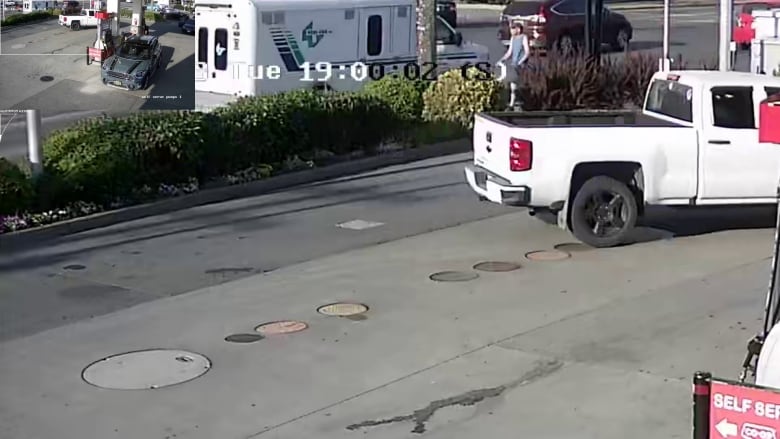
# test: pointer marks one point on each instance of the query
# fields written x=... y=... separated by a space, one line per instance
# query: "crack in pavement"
x=421 y=416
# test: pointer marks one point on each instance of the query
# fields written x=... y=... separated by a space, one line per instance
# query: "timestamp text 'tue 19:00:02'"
x=326 y=71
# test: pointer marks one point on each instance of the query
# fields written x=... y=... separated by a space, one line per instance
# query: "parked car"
x=695 y=143
x=134 y=63
x=188 y=26
x=447 y=10
x=743 y=32
x=171 y=13
x=561 y=24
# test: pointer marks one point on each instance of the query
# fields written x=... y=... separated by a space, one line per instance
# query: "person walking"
x=518 y=52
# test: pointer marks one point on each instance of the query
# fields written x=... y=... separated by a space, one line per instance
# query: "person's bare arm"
x=508 y=51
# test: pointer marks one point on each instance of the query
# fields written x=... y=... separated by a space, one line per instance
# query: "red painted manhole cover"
x=281 y=327
x=547 y=255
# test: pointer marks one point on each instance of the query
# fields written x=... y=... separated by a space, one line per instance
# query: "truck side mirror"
x=458 y=39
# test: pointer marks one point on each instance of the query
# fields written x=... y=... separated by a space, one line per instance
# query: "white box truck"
x=256 y=47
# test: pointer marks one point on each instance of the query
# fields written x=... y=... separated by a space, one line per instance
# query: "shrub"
x=26 y=18
x=404 y=97
x=56 y=12
x=456 y=97
x=102 y=159
x=16 y=190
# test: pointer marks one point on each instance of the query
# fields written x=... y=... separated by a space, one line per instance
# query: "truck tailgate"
x=491 y=144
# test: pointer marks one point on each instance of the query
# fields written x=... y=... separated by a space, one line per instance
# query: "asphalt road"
x=44 y=67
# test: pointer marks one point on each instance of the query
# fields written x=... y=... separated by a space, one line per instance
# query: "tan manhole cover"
x=572 y=247
x=547 y=255
x=342 y=309
x=453 y=276
x=281 y=327
x=149 y=369
x=243 y=338
x=497 y=266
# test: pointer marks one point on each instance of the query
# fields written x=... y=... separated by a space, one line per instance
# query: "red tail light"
x=521 y=154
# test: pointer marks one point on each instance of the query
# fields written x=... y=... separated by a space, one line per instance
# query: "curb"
x=30 y=237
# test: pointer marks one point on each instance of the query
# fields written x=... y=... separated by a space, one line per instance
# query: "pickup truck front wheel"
x=604 y=212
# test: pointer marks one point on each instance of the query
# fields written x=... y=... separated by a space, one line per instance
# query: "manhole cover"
x=547 y=255
x=453 y=276
x=572 y=247
x=281 y=327
x=342 y=309
x=243 y=338
x=47 y=78
x=150 y=369
x=74 y=267
x=497 y=266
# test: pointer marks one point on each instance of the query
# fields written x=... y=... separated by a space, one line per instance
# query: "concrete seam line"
x=12 y=240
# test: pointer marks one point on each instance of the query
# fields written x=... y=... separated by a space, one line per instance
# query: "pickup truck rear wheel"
x=75 y=25
x=604 y=212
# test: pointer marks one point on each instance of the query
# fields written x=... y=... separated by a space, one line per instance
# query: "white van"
x=259 y=47
x=37 y=5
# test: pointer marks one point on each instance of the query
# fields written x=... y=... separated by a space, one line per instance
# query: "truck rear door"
x=216 y=46
x=733 y=164
x=491 y=144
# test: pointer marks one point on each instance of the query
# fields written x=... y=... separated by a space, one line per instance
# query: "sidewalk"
x=600 y=345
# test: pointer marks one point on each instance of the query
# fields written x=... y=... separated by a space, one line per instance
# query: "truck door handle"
x=719 y=142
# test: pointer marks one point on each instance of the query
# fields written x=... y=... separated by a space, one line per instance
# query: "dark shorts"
x=512 y=74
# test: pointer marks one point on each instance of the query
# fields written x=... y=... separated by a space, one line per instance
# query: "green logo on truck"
x=312 y=36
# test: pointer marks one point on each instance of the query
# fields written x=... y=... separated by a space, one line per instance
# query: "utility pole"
x=665 y=64
x=426 y=31
x=724 y=49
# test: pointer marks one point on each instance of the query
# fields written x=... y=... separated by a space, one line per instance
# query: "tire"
x=616 y=207
x=75 y=25
x=622 y=40
x=744 y=46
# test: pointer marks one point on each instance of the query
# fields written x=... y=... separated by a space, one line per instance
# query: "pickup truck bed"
x=582 y=118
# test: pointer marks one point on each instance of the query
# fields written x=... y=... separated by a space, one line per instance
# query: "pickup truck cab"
x=85 y=18
x=694 y=143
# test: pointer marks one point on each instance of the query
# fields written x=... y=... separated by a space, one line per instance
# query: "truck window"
x=220 y=49
x=374 y=46
x=732 y=107
x=670 y=98
x=203 y=44
x=444 y=35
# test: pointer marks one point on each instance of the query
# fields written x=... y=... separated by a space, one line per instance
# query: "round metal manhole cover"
x=342 y=309
x=243 y=338
x=149 y=369
x=453 y=276
x=547 y=255
x=497 y=266
x=47 y=78
x=281 y=327
x=572 y=247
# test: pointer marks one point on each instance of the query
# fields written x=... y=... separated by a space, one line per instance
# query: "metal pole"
x=726 y=18
x=598 y=14
x=589 y=27
x=34 y=149
x=701 y=405
x=666 y=62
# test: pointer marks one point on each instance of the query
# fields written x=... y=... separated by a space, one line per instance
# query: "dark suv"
x=561 y=24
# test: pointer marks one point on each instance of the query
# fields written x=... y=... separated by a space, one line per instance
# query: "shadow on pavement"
x=173 y=87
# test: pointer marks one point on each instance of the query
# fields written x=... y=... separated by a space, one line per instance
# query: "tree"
x=426 y=31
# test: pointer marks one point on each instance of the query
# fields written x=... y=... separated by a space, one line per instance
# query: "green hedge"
x=17 y=19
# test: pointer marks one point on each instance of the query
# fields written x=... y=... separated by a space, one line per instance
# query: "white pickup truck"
x=84 y=19
x=694 y=143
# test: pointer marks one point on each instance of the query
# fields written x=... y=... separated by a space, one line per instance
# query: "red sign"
x=743 y=412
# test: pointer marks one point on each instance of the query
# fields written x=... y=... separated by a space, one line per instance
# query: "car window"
x=444 y=34
x=570 y=7
x=732 y=107
x=672 y=99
